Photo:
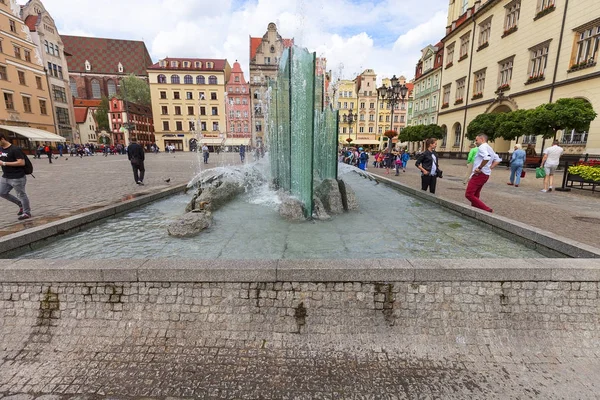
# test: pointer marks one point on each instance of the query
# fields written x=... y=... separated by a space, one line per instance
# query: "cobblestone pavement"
x=72 y=185
x=574 y=214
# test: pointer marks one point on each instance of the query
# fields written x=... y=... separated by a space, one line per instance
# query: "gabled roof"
x=255 y=42
x=31 y=22
x=81 y=114
x=219 y=64
x=86 y=103
x=104 y=55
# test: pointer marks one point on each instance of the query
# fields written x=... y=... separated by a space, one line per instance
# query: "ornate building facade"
x=130 y=120
x=428 y=77
x=44 y=34
x=513 y=54
x=239 y=130
x=265 y=53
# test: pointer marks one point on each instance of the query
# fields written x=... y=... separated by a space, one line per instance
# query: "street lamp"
x=392 y=95
x=349 y=119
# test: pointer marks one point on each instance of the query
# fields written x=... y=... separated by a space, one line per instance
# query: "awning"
x=365 y=141
x=237 y=142
x=33 y=134
x=212 y=141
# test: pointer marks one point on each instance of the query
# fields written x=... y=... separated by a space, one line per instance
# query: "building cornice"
x=28 y=68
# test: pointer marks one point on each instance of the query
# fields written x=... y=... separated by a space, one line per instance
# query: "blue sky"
x=353 y=35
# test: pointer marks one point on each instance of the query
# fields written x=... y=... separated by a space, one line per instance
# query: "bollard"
x=564 y=187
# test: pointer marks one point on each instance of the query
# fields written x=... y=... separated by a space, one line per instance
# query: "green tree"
x=483 y=124
x=432 y=131
x=135 y=90
x=547 y=119
x=512 y=125
x=102 y=114
x=412 y=133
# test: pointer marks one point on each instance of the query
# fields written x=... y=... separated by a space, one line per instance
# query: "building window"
x=21 y=77
x=460 y=89
x=17 y=51
x=538 y=60
x=38 y=82
x=444 y=135
x=513 y=10
x=200 y=80
x=213 y=96
x=202 y=110
x=163 y=95
x=457 y=135
x=212 y=80
x=175 y=79
x=43 y=109
x=505 y=75
x=164 y=110
x=464 y=7
x=176 y=96
x=177 y=110
x=544 y=4
x=479 y=82
x=464 y=45
x=450 y=54
x=13 y=26
x=112 y=88
x=215 y=111
x=179 y=125
x=188 y=80
x=485 y=28
x=59 y=93
x=215 y=126
x=96 y=94
x=27 y=54
x=587 y=45
x=62 y=116
x=161 y=78
x=165 y=125
x=73 y=86
x=190 y=110
x=26 y=104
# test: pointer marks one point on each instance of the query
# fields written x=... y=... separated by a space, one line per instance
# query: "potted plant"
x=588 y=172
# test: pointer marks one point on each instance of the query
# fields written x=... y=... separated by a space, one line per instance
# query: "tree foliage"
x=567 y=113
x=135 y=90
x=101 y=114
x=483 y=124
x=512 y=125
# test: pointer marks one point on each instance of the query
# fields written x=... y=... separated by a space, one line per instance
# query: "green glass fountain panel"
x=302 y=80
x=283 y=111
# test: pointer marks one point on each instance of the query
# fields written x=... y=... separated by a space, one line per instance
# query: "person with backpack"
x=363 y=159
x=13 y=162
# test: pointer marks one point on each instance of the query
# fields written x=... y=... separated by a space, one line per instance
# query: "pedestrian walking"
x=205 y=153
x=48 y=151
x=485 y=160
x=550 y=162
x=60 y=149
x=242 y=153
x=136 y=156
x=404 y=157
x=363 y=159
x=470 y=160
x=428 y=164
x=13 y=177
x=516 y=165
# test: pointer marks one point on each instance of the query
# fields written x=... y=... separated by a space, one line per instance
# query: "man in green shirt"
x=470 y=159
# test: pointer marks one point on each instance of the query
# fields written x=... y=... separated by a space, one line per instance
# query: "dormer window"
x=162 y=63
x=88 y=66
x=174 y=64
x=198 y=64
x=120 y=67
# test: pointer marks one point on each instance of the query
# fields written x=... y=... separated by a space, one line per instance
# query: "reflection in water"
x=387 y=225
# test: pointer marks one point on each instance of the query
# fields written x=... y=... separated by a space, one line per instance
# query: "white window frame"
x=479 y=85
x=505 y=70
x=460 y=89
x=485 y=29
x=538 y=60
x=513 y=11
x=588 y=45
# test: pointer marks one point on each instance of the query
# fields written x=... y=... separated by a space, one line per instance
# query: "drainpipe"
x=560 y=39
x=464 y=131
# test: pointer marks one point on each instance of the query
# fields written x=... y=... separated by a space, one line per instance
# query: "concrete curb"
x=28 y=237
x=539 y=239
x=379 y=270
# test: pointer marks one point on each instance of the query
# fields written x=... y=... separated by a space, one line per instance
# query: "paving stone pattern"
x=277 y=340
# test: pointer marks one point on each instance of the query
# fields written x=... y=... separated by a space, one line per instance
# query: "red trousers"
x=474 y=189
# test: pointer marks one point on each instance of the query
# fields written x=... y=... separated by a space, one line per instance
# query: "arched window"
x=175 y=79
x=96 y=93
x=200 y=80
x=112 y=88
x=73 y=86
x=162 y=79
x=212 y=80
x=445 y=135
x=188 y=80
x=457 y=135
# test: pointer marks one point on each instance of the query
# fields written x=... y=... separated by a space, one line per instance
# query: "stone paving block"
x=493 y=270
x=344 y=270
x=182 y=270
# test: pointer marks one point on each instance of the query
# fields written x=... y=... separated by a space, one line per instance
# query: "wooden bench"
x=533 y=161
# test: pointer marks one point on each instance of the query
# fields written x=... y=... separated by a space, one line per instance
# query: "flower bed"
x=534 y=79
x=503 y=88
x=585 y=172
x=582 y=65
x=509 y=31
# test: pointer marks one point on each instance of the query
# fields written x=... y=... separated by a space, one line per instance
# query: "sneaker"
x=516 y=185
x=509 y=184
x=141 y=183
x=24 y=216
x=20 y=212
x=550 y=189
x=543 y=190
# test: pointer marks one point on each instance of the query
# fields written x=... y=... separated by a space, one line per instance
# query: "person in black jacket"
x=428 y=164
x=136 y=156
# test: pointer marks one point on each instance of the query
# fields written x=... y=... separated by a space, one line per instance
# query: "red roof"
x=255 y=42
x=86 y=103
x=104 y=55
x=80 y=114
x=31 y=22
x=219 y=64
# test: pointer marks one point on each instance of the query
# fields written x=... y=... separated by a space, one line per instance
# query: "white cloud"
x=385 y=35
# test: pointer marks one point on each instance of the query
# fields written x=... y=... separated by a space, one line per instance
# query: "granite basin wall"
x=427 y=308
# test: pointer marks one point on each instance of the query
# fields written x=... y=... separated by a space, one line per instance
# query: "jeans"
x=142 y=170
x=205 y=156
x=6 y=185
x=474 y=190
x=515 y=173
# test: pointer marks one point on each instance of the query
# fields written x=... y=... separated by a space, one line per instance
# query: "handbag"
x=440 y=173
x=522 y=173
x=540 y=173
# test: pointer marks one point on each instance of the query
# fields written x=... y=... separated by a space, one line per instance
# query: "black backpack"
x=28 y=166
